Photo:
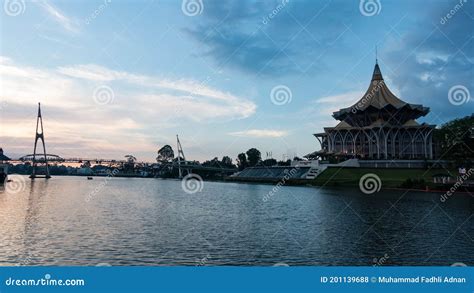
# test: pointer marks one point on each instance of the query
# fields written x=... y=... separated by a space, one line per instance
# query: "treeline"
x=253 y=158
x=455 y=141
x=27 y=169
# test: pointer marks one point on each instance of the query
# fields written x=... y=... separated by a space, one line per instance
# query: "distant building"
x=3 y=166
x=3 y=158
x=379 y=126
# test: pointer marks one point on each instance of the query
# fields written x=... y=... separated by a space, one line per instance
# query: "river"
x=135 y=221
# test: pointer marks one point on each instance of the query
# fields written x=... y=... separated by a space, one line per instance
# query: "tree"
x=254 y=156
x=284 y=163
x=212 y=163
x=131 y=159
x=165 y=154
x=227 y=162
x=455 y=140
x=269 y=162
x=129 y=166
x=242 y=161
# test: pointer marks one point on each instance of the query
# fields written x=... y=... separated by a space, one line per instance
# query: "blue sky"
x=119 y=77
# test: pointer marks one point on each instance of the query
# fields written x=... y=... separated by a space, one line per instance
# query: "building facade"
x=378 y=126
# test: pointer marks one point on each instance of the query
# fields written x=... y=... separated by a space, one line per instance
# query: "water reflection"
x=133 y=221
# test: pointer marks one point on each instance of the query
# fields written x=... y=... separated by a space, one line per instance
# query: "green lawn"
x=335 y=176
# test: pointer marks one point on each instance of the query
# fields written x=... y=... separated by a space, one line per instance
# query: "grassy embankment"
x=390 y=178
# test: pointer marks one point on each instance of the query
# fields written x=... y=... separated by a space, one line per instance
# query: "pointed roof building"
x=378 y=126
x=379 y=97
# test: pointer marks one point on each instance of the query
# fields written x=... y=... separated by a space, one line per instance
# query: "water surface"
x=134 y=221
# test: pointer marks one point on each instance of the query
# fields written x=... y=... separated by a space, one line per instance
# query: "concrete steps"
x=314 y=172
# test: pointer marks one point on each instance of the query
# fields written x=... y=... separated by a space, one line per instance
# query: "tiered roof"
x=379 y=97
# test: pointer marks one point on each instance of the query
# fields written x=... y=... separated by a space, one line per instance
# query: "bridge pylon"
x=44 y=161
x=180 y=153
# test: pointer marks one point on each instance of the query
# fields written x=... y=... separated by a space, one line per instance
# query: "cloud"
x=184 y=97
x=260 y=133
x=325 y=106
x=26 y=84
x=139 y=105
x=58 y=16
x=340 y=99
x=93 y=72
x=436 y=56
x=272 y=37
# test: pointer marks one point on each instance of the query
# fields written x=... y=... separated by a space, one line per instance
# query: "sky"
x=125 y=77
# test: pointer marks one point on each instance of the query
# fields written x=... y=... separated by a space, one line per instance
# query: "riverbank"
x=390 y=178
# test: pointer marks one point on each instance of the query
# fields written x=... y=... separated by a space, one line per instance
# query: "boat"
x=3 y=167
x=89 y=178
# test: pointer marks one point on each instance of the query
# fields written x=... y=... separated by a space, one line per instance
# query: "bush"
x=415 y=183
